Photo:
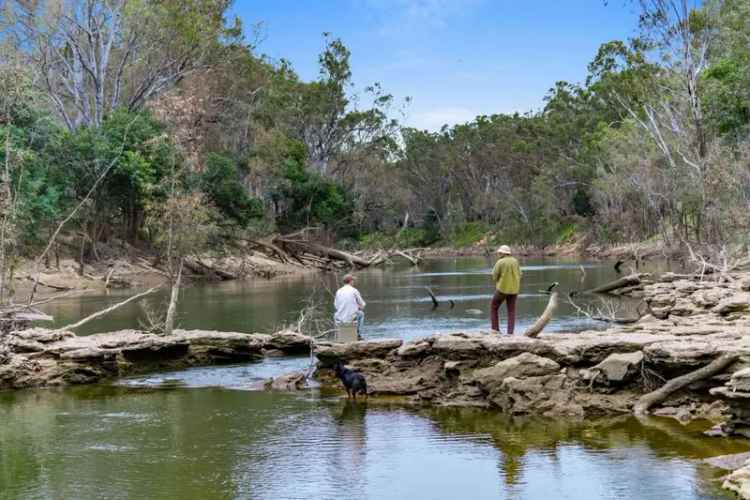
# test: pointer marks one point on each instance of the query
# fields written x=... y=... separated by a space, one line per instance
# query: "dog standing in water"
x=354 y=382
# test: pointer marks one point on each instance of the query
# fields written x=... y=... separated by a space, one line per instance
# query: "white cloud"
x=434 y=119
x=418 y=15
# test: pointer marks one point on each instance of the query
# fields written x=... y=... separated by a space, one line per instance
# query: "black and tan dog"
x=354 y=382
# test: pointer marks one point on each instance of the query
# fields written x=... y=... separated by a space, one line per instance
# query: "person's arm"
x=496 y=272
x=360 y=301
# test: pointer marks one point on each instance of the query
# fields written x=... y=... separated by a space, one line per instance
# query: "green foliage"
x=312 y=199
x=467 y=234
x=220 y=181
x=406 y=238
x=138 y=154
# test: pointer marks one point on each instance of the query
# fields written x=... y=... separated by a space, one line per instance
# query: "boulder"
x=620 y=367
x=521 y=366
x=288 y=382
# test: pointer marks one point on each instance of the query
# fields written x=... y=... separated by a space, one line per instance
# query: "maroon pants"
x=497 y=301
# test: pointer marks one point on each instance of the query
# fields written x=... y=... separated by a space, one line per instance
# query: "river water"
x=210 y=433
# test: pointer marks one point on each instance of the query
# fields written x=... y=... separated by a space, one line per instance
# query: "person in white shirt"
x=349 y=304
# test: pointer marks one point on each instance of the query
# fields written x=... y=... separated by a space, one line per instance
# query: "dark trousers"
x=497 y=301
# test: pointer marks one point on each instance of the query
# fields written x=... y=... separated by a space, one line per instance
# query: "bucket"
x=346 y=332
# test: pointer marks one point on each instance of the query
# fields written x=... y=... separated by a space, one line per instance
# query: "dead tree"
x=545 y=318
x=653 y=398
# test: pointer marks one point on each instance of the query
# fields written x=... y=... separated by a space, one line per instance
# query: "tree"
x=93 y=56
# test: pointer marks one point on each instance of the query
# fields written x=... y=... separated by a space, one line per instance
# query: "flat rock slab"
x=40 y=357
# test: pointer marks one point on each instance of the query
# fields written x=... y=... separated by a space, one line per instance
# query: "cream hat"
x=504 y=250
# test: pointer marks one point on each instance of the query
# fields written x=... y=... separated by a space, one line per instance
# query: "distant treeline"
x=122 y=102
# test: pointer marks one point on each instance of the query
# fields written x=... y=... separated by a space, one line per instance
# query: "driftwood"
x=626 y=281
x=435 y=302
x=599 y=317
x=653 y=398
x=108 y=310
x=544 y=319
x=201 y=268
x=321 y=251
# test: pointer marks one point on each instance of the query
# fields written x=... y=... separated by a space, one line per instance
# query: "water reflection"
x=117 y=442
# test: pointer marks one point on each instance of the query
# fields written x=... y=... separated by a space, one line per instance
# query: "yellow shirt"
x=507 y=276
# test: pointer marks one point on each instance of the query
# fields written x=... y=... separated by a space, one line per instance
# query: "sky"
x=456 y=59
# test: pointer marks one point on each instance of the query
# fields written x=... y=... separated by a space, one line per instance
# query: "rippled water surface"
x=152 y=440
x=213 y=433
x=398 y=304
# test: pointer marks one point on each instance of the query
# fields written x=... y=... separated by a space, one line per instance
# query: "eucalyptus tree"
x=93 y=56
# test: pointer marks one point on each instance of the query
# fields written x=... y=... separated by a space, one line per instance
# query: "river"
x=211 y=433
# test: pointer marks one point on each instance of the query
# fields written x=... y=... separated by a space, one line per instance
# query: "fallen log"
x=414 y=260
x=322 y=251
x=653 y=398
x=545 y=318
x=108 y=310
x=626 y=281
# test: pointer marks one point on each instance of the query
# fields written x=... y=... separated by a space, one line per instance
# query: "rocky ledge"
x=592 y=372
x=39 y=357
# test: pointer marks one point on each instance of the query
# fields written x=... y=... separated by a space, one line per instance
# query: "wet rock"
x=288 y=382
x=620 y=367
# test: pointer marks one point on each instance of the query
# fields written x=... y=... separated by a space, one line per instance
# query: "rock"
x=683 y=307
x=414 y=349
x=739 y=481
x=709 y=298
x=738 y=303
x=662 y=300
x=289 y=342
x=745 y=284
x=457 y=346
x=521 y=366
x=289 y=382
x=620 y=367
x=328 y=354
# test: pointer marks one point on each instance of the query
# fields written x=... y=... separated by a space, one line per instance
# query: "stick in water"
x=108 y=310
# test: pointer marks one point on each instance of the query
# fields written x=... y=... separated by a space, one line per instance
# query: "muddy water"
x=211 y=433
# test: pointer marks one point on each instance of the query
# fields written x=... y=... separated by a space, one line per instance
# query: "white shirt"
x=348 y=301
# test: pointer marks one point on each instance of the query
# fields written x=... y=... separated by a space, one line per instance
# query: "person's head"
x=348 y=279
x=503 y=251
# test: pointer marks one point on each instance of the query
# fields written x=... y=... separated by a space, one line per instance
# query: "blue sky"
x=455 y=58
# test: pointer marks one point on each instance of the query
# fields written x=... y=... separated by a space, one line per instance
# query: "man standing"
x=349 y=304
x=507 y=278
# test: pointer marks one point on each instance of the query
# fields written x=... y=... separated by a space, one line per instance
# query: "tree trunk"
x=659 y=395
x=172 y=309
